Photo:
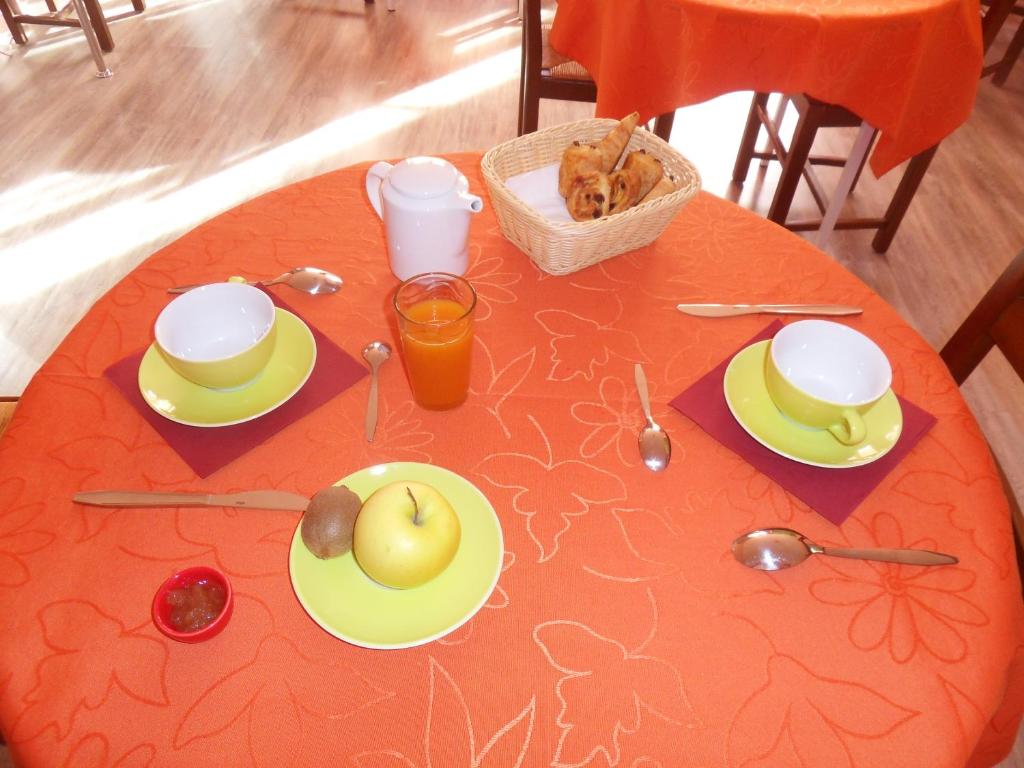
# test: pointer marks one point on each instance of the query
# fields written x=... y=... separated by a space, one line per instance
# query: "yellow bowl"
x=219 y=336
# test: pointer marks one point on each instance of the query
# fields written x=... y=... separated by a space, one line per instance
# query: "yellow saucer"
x=752 y=406
x=349 y=605
x=178 y=399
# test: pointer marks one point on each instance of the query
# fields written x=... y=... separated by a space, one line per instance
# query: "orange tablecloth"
x=908 y=67
x=621 y=633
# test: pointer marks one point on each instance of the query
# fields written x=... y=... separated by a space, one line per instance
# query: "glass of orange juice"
x=435 y=322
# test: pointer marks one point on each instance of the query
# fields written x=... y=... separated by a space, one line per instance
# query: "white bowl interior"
x=831 y=362
x=214 y=322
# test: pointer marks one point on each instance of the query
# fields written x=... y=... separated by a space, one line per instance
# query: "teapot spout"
x=472 y=202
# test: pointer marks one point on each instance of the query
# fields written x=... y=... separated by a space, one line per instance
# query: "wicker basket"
x=558 y=247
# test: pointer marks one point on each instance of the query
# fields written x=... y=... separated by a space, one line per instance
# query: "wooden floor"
x=215 y=101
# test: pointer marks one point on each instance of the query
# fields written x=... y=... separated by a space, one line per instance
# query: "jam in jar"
x=196 y=605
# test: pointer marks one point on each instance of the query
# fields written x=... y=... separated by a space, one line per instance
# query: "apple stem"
x=415 y=506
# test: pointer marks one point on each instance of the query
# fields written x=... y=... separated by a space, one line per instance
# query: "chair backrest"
x=545 y=74
x=997 y=321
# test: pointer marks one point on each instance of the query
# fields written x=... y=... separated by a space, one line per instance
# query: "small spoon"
x=771 y=549
x=655 y=448
x=376 y=354
x=306 y=279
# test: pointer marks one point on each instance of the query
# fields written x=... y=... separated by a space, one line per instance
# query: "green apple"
x=405 y=534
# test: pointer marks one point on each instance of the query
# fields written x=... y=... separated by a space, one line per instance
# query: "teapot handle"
x=374 y=178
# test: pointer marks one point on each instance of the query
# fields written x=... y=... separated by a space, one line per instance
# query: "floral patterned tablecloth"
x=908 y=67
x=621 y=632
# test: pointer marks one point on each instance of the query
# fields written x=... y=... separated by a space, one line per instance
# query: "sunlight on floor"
x=469 y=26
x=58 y=192
x=83 y=243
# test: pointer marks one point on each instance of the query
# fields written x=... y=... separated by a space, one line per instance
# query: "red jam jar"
x=193 y=605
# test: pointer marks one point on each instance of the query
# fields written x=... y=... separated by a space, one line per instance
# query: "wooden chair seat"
x=546 y=74
x=996 y=322
x=555 y=65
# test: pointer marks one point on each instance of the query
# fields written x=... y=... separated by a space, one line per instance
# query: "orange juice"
x=437 y=338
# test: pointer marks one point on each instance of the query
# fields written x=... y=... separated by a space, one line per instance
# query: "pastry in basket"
x=625 y=187
x=635 y=179
x=589 y=196
x=577 y=160
x=647 y=167
x=614 y=144
x=665 y=185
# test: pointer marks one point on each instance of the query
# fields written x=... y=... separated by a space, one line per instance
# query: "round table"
x=908 y=67
x=621 y=631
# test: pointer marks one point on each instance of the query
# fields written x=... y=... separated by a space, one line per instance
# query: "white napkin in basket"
x=539 y=190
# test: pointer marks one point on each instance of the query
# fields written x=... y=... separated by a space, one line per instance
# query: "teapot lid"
x=424 y=177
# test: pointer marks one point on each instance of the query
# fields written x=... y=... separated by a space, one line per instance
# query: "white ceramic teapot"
x=426 y=207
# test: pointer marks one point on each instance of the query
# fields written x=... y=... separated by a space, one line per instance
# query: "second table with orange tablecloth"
x=621 y=630
x=908 y=67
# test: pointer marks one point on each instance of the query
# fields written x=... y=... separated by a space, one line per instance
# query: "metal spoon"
x=306 y=279
x=655 y=448
x=376 y=354
x=771 y=549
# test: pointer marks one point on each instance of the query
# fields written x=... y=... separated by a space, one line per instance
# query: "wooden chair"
x=59 y=18
x=7 y=405
x=997 y=321
x=999 y=11
x=797 y=162
x=546 y=74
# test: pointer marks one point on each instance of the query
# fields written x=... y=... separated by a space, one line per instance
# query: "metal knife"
x=729 y=310
x=250 y=499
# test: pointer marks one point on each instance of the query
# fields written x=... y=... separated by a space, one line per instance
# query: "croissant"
x=614 y=144
x=647 y=167
x=625 y=188
x=577 y=160
x=665 y=185
x=589 y=196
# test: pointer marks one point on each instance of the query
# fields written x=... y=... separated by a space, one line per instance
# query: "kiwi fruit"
x=328 y=521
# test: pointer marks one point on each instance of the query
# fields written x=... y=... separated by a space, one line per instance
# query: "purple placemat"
x=208 y=449
x=832 y=493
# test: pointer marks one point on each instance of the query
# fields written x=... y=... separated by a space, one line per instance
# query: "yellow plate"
x=752 y=406
x=351 y=606
x=176 y=398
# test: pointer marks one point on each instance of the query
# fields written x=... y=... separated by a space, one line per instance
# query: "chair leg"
x=749 y=140
x=529 y=108
x=793 y=166
x=139 y=5
x=900 y=202
x=89 y=32
x=99 y=24
x=529 y=99
x=17 y=30
x=863 y=162
x=993 y=20
x=663 y=125
x=1010 y=57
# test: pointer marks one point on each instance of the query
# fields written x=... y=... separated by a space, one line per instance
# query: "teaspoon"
x=376 y=354
x=655 y=448
x=771 y=549
x=311 y=280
